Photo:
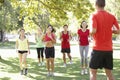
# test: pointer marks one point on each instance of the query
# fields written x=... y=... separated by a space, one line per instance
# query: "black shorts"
x=22 y=52
x=67 y=50
x=101 y=59
x=49 y=52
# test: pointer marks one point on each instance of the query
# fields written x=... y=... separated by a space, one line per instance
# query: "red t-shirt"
x=65 y=43
x=83 y=37
x=103 y=22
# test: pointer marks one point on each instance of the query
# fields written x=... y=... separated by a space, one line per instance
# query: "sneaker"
x=82 y=72
x=48 y=74
x=25 y=71
x=52 y=74
x=39 y=64
x=42 y=63
x=70 y=61
x=86 y=71
x=64 y=65
x=21 y=72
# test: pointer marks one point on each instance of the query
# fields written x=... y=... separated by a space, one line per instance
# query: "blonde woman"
x=39 y=46
x=22 y=47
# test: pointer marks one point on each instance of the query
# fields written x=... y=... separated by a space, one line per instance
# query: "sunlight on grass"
x=9 y=70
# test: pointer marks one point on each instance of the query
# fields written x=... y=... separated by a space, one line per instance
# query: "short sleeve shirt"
x=103 y=22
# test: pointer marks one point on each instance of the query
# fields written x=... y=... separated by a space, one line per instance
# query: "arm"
x=36 y=37
x=93 y=28
x=61 y=36
x=43 y=38
x=70 y=35
x=16 y=47
x=53 y=39
x=116 y=27
x=78 y=38
x=93 y=31
x=28 y=47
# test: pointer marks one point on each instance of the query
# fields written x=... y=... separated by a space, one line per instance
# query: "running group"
x=45 y=43
x=101 y=31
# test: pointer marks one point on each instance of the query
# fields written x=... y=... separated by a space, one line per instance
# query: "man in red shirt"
x=102 y=54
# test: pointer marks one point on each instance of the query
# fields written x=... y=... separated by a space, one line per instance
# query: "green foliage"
x=7 y=16
x=113 y=7
x=33 y=13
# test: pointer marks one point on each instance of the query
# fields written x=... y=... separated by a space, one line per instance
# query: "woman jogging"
x=83 y=35
x=22 y=47
x=39 y=46
x=65 y=37
x=50 y=40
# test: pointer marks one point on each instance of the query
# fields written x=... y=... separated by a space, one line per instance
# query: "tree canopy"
x=31 y=13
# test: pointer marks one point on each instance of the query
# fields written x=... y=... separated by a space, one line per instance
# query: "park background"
x=30 y=14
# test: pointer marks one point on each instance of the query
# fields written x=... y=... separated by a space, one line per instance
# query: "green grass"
x=6 y=45
x=11 y=67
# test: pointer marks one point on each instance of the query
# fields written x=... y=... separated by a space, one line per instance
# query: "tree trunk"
x=1 y=35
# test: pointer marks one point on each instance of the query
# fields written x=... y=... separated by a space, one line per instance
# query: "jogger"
x=22 y=47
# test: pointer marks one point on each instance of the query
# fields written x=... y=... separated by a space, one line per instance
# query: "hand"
x=50 y=36
x=115 y=31
x=68 y=40
x=61 y=40
x=16 y=51
x=28 y=51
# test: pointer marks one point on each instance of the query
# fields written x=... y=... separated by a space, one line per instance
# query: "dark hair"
x=100 y=3
x=53 y=30
x=65 y=25
x=82 y=23
x=22 y=29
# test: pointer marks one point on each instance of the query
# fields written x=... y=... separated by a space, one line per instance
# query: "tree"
x=56 y=10
x=33 y=13
x=8 y=18
x=112 y=6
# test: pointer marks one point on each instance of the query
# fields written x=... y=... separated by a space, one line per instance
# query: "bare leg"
x=109 y=74
x=38 y=60
x=69 y=56
x=64 y=58
x=20 y=60
x=42 y=59
x=93 y=73
x=52 y=64
x=24 y=60
x=48 y=64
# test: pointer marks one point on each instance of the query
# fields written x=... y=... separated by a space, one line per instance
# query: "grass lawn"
x=9 y=70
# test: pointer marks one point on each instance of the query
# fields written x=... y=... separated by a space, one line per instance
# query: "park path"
x=6 y=53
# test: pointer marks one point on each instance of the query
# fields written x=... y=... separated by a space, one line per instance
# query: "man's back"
x=103 y=22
